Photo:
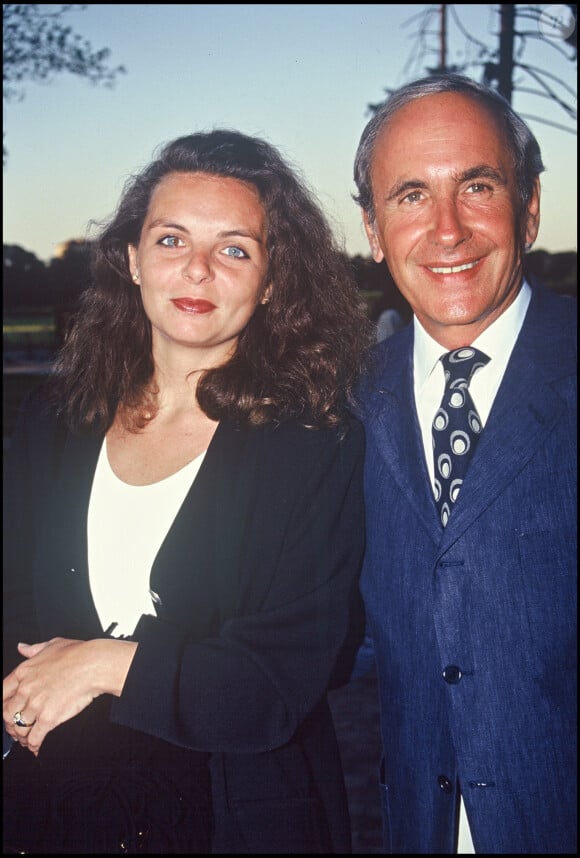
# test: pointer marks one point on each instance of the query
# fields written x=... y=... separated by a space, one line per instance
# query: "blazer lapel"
x=197 y=562
x=392 y=420
x=524 y=412
x=66 y=580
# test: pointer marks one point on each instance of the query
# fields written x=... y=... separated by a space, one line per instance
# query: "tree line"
x=31 y=285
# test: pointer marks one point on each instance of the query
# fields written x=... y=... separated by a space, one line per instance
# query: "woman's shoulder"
x=291 y=433
x=293 y=448
x=348 y=432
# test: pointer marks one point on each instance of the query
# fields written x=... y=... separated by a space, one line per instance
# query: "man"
x=470 y=598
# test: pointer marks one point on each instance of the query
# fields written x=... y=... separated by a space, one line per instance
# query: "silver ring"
x=19 y=720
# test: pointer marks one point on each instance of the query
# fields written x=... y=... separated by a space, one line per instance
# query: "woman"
x=185 y=526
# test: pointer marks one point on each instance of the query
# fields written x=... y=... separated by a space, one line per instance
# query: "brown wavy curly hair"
x=299 y=356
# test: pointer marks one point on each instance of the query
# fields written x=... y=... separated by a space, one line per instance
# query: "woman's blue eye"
x=170 y=241
x=236 y=252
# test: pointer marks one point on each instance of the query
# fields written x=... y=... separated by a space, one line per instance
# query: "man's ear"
x=533 y=215
x=376 y=251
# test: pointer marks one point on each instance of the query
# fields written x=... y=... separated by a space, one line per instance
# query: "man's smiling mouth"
x=455 y=269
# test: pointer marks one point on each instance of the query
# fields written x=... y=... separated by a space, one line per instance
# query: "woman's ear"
x=133 y=266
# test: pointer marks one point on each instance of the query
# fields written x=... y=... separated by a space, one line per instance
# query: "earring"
x=528 y=245
x=136 y=277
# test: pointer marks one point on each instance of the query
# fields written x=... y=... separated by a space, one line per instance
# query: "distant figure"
x=184 y=527
x=388 y=322
x=470 y=571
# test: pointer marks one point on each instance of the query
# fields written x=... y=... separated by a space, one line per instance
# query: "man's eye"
x=478 y=188
x=236 y=252
x=413 y=197
x=171 y=241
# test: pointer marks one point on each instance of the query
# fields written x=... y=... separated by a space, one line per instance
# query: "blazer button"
x=452 y=674
x=445 y=783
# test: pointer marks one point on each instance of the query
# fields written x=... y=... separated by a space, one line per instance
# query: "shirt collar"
x=496 y=341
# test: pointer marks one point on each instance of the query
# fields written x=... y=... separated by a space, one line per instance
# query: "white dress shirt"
x=496 y=342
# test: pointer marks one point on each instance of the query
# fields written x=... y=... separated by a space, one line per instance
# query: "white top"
x=126 y=527
x=497 y=343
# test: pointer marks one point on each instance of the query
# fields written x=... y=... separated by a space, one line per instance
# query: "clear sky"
x=300 y=75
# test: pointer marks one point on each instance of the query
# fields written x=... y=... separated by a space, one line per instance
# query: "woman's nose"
x=198 y=267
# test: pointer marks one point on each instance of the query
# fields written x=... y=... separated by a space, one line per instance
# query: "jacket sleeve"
x=28 y=468
x=250 y=686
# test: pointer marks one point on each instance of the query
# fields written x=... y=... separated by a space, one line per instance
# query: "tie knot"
x=460 y=364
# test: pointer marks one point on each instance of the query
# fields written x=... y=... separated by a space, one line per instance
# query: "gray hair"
x=523 y=145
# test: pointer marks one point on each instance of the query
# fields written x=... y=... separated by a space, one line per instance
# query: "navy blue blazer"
x=256 y=583
x=473 y=627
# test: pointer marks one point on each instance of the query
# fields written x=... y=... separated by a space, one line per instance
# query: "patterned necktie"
x=456 y=427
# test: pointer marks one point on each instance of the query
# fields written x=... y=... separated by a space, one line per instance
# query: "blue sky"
x=300 y=75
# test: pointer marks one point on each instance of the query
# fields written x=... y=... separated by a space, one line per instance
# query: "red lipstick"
x=193 y=305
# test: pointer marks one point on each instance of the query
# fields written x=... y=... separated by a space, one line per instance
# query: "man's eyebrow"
x=404 y=187
x=483 y=171
x=480 y=171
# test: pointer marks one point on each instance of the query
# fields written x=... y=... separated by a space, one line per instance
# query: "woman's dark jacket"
x=256 y=597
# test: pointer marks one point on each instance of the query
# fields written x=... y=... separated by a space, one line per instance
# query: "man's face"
x=447 y=215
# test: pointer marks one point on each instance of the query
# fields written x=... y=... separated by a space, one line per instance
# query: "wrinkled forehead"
x=450 y=132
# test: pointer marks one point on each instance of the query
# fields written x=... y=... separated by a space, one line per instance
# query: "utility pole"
x=443 y=37
x=506 y=50
x=442 y=67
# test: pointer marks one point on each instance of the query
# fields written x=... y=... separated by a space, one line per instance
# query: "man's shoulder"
x=553 y=316
x=547 y=302
x=387 y=362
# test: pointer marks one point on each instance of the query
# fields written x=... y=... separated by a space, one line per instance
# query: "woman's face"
x=201 y=263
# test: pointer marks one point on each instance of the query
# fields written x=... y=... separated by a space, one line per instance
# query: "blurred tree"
x=24 y=279
x=30 y=284
x=68 y=275
x=375 y=279
x=36 y=44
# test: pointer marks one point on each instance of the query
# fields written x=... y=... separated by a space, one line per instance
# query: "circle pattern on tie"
x=460 y=442
x=456 y=427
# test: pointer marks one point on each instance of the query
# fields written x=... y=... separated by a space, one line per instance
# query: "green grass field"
x=28 y=331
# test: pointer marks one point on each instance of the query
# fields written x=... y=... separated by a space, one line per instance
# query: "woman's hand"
x=58 y=679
